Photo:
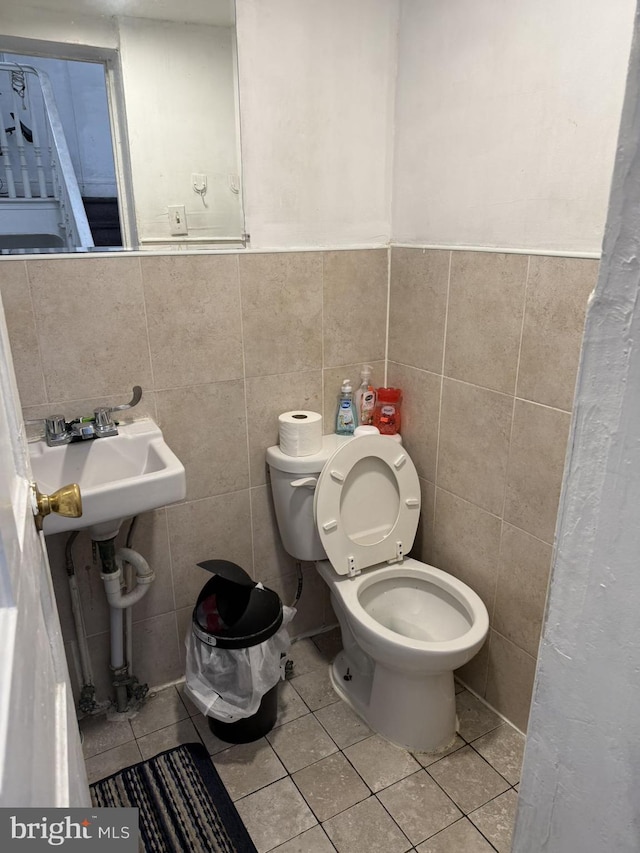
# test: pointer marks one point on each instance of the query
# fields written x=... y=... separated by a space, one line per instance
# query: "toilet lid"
x=367 y=504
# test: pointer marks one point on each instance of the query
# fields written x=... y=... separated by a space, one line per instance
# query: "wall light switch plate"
x=177 y=219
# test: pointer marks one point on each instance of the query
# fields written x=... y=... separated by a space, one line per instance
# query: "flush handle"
x=66 y=501
x=305 y=482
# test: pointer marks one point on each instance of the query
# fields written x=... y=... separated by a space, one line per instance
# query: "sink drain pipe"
x=112 y=576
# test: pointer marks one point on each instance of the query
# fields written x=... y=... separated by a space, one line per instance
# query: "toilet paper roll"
x=300 y=433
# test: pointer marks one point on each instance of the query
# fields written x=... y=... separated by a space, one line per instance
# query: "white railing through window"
x=35 y=162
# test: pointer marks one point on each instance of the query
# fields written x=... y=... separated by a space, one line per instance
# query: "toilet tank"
x=293 y=480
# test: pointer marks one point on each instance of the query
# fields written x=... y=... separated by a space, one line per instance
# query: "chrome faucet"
x=58 y=431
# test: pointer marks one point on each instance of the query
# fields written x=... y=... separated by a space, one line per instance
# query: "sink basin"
x=119 y=477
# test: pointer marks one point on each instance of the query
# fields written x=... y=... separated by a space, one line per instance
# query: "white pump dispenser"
x=365 y=396
x=346 y=416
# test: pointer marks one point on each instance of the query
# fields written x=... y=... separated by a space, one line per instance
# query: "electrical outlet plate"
x=177 y=219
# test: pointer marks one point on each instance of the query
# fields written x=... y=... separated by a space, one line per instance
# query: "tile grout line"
x=515 y=398
x=493 y=799
x=488 y=512
x=246 y=420
x=322 y=368
x=444 y=350
x=483 y=388
x=462 y=820
x=146 y=328
x=375 y=795
x=388 y=317
x=173 y=588
x=510 y=784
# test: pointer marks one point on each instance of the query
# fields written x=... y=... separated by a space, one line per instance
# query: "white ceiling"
x=218 y=13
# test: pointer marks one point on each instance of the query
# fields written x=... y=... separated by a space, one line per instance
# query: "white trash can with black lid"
x=236 y=652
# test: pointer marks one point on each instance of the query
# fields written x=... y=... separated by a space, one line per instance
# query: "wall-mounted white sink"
x=119 y=477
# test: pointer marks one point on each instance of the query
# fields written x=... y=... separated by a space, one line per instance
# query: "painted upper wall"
x=507 y=116
x=316 y=101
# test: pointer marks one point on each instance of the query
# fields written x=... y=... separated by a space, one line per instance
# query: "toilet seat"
x=367 y=504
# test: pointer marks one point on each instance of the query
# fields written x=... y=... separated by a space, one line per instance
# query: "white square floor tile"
x=460 y=837
x=167 y=738
x=100 y=734
x=275 y=814
x=468 y=779
x=343 y=724
x=496 y=819
x=160 y=710
x=503 y=748
x=380 y=763
x=306 y=657
x=301 y=742
x=366 y=828
x=474 y=717
x=419 y=806
x=103 y=765
x=290 y=704
x=314 y=840
x=315 y=688
x=330 y=786
x=247 y=767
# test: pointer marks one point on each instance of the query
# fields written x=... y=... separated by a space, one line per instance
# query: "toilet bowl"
x=353 y=509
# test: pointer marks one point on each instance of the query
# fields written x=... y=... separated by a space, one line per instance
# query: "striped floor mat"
x=183 y=804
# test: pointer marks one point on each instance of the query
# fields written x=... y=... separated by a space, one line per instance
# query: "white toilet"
x=353 y=508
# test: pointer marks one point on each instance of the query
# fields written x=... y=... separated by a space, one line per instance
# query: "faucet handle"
x=137 y=396
x=103 y=422
x=55 y=426
x=56 y=430
x=103 y=417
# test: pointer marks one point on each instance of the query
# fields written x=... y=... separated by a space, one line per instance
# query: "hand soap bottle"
x=346 y=417
x=365 y=397
x=387 y=415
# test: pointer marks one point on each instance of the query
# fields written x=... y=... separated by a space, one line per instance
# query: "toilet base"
x=416 y=713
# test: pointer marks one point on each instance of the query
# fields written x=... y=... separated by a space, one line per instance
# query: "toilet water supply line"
x=299 y=585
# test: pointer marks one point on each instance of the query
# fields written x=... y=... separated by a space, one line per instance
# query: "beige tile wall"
x=485 y=347
x=221 y=344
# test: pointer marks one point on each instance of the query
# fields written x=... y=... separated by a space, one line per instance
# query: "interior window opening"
x=58 y=184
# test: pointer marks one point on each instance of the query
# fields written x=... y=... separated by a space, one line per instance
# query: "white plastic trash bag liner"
x=228 y=684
